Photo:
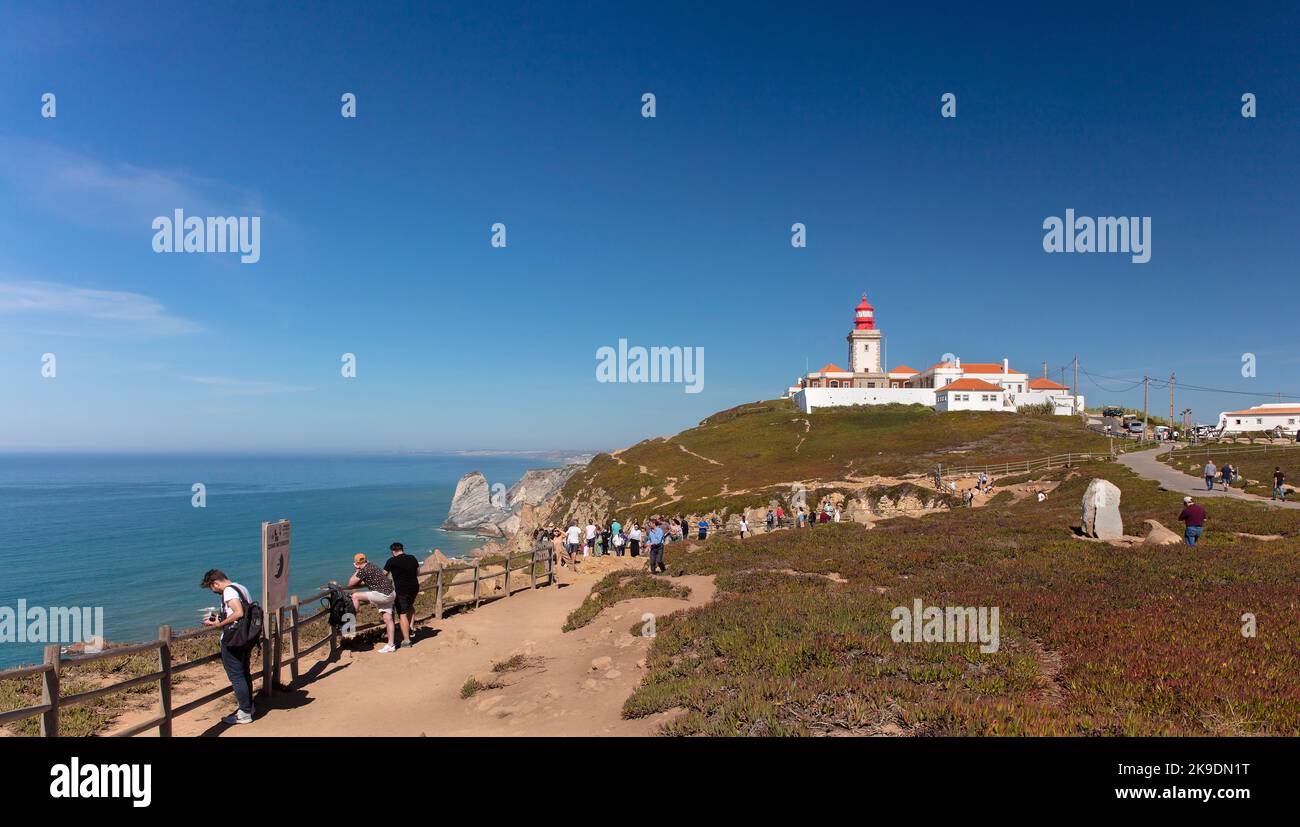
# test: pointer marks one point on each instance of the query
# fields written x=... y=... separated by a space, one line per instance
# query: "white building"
x=968 y=394
x=1284 y=415
x=869 y=381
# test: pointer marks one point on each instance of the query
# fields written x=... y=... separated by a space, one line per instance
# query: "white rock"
x=1100 y=511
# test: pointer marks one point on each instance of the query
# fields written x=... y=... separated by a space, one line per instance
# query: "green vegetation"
x=473 y=685
x=1095 y=639
x=618 y=586
x=514 y=663
x=743 y=456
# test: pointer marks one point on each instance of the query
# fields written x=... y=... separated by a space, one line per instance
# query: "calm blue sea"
x=120 y=532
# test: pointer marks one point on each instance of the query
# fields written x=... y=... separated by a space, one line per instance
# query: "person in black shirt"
x=405 y=571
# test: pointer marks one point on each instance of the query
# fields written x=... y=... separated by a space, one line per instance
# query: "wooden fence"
x=286 y=624
x=1068 y=460
x=1221 y=449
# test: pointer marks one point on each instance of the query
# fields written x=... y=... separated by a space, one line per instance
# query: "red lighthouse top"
x=864 y=315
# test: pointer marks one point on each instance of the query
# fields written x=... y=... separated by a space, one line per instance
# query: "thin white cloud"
x=245 y=387
x=106 y=311
x=85 y=190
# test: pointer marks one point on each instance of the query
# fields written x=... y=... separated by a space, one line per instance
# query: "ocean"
x=120 y=532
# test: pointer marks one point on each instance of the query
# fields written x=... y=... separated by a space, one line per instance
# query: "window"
x=1259 y=422
x=1238 y=421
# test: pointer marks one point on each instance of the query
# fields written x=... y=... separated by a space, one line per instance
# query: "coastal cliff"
x=475 y=508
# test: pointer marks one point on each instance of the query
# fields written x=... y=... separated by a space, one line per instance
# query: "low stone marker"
x=1100 y=511
x=1158 y=535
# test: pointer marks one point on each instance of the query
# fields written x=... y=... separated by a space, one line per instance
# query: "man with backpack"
x=240 y=622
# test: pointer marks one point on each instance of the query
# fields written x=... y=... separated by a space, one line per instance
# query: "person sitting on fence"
x=405 y=571
x=237 y=662
x=378 y=592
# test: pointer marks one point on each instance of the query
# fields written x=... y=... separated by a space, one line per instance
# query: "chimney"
x=1006 y=365
x=956 y=361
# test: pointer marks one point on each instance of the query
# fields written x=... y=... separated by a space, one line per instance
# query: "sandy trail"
x=416 y=691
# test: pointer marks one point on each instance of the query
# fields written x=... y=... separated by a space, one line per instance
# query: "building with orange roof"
x=1275 y=416
x=869 y=381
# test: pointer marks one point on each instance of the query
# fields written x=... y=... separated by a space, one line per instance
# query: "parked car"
x=1135 y=428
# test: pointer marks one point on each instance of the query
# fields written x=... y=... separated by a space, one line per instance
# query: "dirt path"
x=417 y=691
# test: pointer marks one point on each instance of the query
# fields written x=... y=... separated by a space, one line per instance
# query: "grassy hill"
x=1095 y=639
x=740 y=457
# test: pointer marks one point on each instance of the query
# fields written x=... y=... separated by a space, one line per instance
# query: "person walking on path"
x=1193 y=515
x=744 y=527
x=379 y=593
x=656 y=540
x=1279 y=484
x=771 y=520
x=237 y=662
x=405 y=571
x=1210 y=473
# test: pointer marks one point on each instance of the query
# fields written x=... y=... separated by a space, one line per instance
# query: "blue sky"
x=666 y=231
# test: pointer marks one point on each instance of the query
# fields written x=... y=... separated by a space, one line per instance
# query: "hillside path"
x=576 y=682
x=1147 y=465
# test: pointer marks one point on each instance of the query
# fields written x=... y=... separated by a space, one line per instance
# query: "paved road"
x=1146 y=465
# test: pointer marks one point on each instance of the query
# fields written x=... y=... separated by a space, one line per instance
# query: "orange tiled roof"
x=969 y=385
x=985 y=367
x=1045 y=385
x=1263 y=411
x=832 y=368
x=903 y=369
x=940 y=365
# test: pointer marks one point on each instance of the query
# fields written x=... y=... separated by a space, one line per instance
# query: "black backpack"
x=247 y=631
x=339 y=605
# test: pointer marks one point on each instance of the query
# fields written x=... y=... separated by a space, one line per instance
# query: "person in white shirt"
x=237 y=662
x=572 y=538
x=591 y=540
x=744 y=527
x=837 y=514
x=634 y=541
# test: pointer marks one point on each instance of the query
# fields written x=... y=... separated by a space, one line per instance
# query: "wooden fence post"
x=50 y=692
x=476 y=583
x=293 y=639
x=506 y=578
x=437 y=606
x=165 y=682
x=532 y=567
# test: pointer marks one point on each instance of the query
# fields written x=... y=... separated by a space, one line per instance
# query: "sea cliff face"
x=473 y=508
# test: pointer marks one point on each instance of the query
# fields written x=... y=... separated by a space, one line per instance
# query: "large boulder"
x=471 y=505
x=1100 y=511
x=1158 y=535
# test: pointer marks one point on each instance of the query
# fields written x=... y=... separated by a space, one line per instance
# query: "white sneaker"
x=387 y=648
x=240 y=717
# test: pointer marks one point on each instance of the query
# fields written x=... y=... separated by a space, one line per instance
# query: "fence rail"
x=286 y=623
x=1222 y=449
x=1067 y=460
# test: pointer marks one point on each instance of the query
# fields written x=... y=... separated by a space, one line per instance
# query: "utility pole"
x=1075 y=389
x=1171 y=399
x=1044 y=368
x=1145 y=381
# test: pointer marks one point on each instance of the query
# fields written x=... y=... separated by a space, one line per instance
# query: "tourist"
x=590 y=549
x=615 y=528
x=656 y=540
x=634 y=541
x=823 y=517
x=619 y=540
x=1225 y=476
x=557 y=549
x=1193 y=514
x=983 y=483
x=604 y=541
x=405 y=571
x=379 y=592
x=780 y=515
x=968 y=497
x=572 y=539
x=237 y=662
x=1042 y=497
x=1210 y=473
x=744 y=526
x=1279 y=487
x=771 y=519
x=704 y=528
x=837 y=514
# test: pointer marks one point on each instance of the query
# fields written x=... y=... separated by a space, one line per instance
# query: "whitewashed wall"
x=810 y=399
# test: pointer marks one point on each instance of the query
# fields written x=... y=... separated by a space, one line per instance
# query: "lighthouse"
x=864 y=340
